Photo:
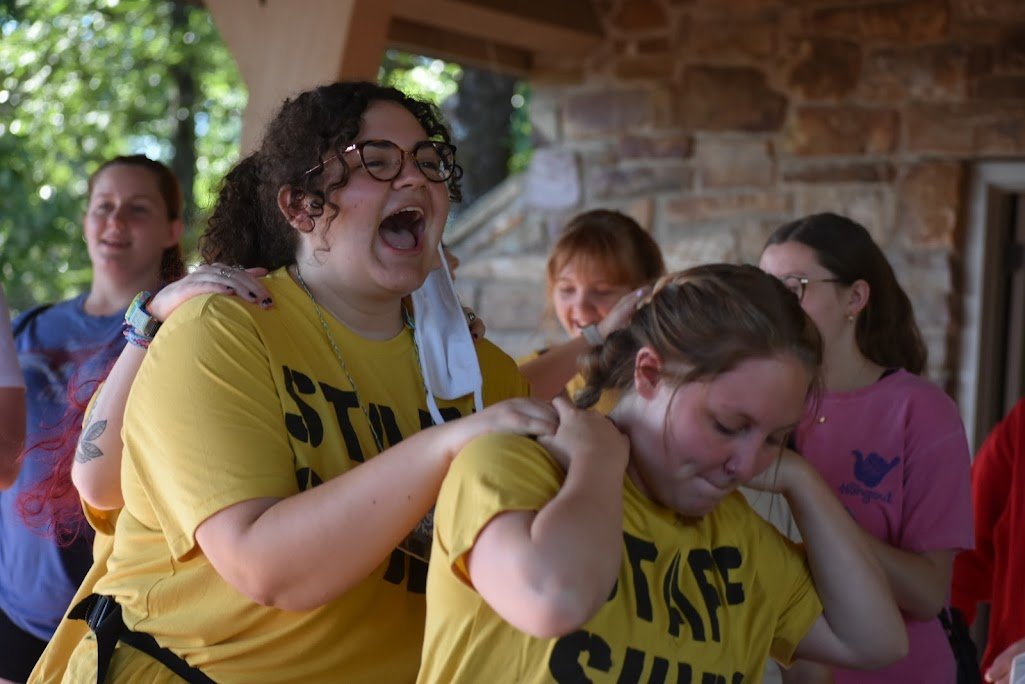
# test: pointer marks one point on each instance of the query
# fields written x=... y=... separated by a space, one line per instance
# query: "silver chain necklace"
x=341 y=361
x=418 y=542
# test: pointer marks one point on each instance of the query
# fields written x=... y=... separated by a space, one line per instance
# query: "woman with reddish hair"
x=132 y=226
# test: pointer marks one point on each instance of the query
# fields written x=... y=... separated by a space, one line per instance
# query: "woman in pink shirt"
x=889 y=443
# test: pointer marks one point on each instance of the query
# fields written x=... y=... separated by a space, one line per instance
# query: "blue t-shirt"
x=59 y=348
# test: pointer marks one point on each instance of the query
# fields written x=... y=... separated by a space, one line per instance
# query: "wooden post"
x=283 y=47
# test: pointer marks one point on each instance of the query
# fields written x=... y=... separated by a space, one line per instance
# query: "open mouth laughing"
x=403 y=230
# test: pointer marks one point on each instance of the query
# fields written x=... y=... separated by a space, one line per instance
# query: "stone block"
x=989 y=10
x=825 y=68
x=733 y=162
x=513 y=267
x=644 y=67
x=639 y=16
x=687 y=209
x=511 y=305
x=597 y=113
x=553 y=179
x=910 y=22
x=643 y=211
x=739 y=11
x=1005 y=134
x=1010 y=52
x=999 y=88
x=729 y=98
x=691 y=246
x=943 y=128
x=933 y=72
x=637 y=179
x=751 y=238
x=842 y=130
x=654 y=46
x=871 y=206
x=656 y=146
x=922 y=270
x=930 y=204
x=730 y=42
x=816 y=171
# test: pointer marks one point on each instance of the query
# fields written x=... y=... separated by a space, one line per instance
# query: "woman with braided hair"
x=555 y=562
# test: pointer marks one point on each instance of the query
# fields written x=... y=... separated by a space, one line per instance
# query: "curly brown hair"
x=246 y=226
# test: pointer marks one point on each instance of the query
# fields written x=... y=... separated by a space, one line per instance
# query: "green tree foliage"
x=85 y=80
x=82 y=81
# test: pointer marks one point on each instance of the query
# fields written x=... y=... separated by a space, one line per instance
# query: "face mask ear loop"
x=432 y=406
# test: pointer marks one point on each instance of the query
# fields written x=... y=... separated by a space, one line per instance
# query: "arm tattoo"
x=86 y=450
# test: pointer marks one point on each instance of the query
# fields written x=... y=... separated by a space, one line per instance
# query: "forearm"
x=919 y=581
x=303 y=551
x=857 y=603
x=96 y=472
x=12 y=433
x=549 y=372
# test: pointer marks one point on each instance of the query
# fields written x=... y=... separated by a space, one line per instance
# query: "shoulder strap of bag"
x=27 y=317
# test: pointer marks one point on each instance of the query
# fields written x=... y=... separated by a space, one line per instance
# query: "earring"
x=850 y=318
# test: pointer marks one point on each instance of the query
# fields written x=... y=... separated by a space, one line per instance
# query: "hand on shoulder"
x=211 y=278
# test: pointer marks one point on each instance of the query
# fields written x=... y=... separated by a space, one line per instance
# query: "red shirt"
x=995 y=570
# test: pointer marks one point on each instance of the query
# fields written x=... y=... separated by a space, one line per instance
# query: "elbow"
x=292 y=594
x=891 y=653
x=885 y=651
x=259 y=586
x=558 y=607
x=926 y=612
x=102 y=496
x=554 y=618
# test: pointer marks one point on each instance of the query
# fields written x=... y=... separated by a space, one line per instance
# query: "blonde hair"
x=710 y=319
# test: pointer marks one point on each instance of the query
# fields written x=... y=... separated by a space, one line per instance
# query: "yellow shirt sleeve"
x=492 y=474
x=203 y=421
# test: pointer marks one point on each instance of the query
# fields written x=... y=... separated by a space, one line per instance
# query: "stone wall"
x=713 y=121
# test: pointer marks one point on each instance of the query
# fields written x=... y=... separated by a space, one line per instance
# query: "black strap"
x=965 y=654
x=27 y=317
x=103 y=614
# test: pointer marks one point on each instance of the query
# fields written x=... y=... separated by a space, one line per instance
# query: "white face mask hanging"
x=448 y=358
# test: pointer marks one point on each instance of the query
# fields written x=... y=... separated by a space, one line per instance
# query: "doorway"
x=992 y=375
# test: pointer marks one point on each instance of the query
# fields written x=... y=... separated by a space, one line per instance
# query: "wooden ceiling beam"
x=558 y=28
x=456 y=47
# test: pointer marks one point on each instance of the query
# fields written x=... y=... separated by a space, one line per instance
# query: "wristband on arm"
x=140 y=326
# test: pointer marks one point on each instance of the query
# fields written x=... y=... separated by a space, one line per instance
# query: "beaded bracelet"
x=133 y=337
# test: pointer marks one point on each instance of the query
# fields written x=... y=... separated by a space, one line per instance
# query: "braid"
x=608 y=365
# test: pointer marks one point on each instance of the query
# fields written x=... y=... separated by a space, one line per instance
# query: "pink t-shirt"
x=896 y=455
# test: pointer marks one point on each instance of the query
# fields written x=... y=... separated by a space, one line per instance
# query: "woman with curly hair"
x=277 y=458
